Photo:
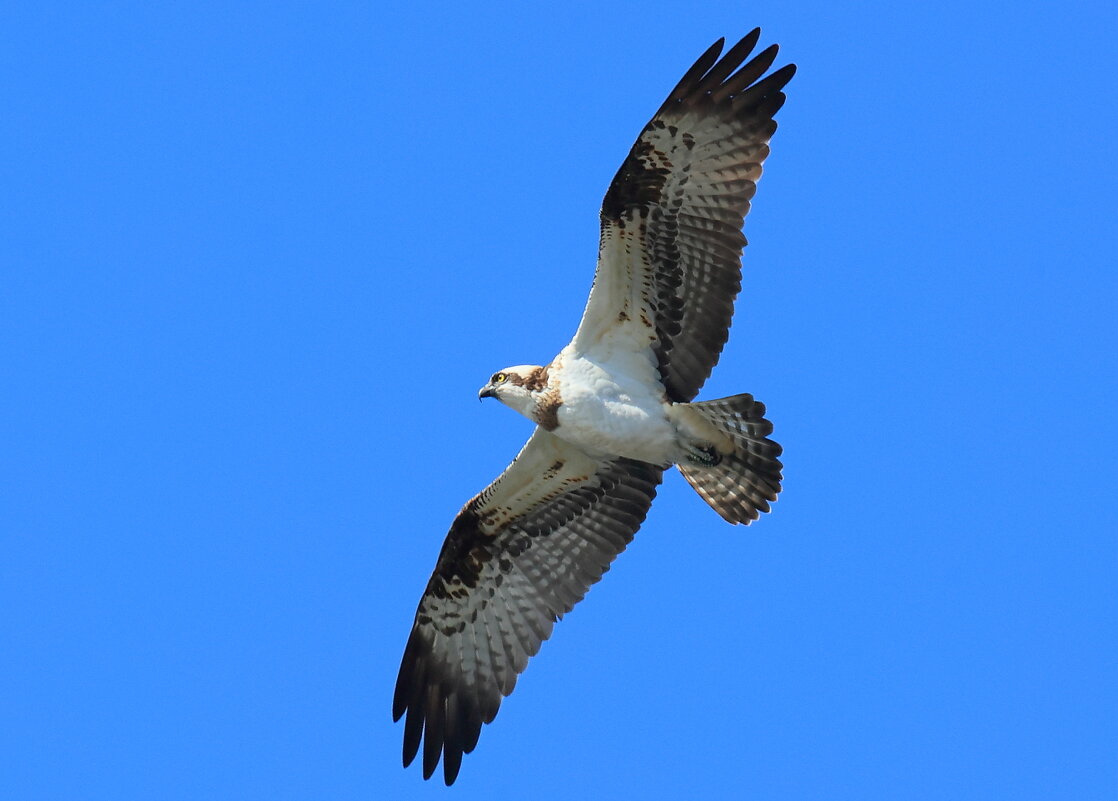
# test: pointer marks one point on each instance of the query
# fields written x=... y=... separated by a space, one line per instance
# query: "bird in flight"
x=613 y=410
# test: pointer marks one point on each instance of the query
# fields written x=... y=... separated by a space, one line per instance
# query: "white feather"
x=613 y=404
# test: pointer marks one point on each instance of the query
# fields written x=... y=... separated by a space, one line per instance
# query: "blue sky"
x=258 y=258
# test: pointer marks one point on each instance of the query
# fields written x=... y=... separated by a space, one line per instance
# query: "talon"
x=705 y=455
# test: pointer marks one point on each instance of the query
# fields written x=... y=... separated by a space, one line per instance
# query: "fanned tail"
x=740 y=484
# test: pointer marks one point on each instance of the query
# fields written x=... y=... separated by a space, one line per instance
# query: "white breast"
x=614 y=406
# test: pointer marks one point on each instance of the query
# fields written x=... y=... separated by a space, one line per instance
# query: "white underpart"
x=613 y=403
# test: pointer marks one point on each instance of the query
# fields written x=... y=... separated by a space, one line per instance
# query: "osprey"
x=613 y=410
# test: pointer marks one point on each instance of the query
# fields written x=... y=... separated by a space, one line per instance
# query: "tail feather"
x=747 y=479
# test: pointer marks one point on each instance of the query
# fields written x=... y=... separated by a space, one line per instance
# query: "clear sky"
x=258 y=258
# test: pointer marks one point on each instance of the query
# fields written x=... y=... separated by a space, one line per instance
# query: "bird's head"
x=516 y=386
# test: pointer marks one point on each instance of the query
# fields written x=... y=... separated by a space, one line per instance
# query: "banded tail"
x=744 y=481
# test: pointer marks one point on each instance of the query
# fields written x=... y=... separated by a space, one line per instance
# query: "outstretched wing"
x=518 y=556
x=669 y=263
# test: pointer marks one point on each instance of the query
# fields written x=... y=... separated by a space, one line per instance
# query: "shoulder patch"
x=547 y=412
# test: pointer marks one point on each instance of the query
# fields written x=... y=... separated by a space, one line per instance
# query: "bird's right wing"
x=517 y=557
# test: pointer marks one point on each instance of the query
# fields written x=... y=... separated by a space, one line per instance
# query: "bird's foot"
x=702 y=453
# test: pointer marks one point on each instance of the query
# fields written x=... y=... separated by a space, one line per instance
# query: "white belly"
x=615 y=413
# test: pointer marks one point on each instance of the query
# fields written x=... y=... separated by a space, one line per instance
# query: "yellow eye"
x=500 y=378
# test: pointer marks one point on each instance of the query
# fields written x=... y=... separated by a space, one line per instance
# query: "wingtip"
x=399 y=703
x=412 y=738
x=452 y=762
x=695 y=74
x=717 y=76
x=753 y=37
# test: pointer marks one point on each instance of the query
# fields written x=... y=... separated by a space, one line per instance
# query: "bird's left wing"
x=518 y=556
x=669 y=263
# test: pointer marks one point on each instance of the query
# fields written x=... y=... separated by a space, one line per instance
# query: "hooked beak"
x=486 y=392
